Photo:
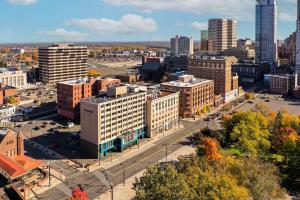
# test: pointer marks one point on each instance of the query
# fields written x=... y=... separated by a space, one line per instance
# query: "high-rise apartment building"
x=69 y=94
x=222 y=35
x=204 y=41
x=195 y=94
x=298 y=44
x=217 y=69
x=62 y=62
x=266 y=31
x=112 y=121
x=181 y=45
x=288 y=49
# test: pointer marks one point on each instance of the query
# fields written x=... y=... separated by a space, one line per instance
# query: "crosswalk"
x=64 y=189
x=101 y=177
x=66 y=170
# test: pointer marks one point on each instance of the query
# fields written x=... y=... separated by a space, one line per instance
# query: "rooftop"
x=84 y=80
x=21 y=165
x=191 y=83
x=9 y=71
x=105 y=98
x=158 y=93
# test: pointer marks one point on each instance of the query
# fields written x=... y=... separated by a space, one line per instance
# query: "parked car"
x=44 y=126
x=37 y=128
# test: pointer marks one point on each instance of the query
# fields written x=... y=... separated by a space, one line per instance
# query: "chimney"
x=20 y=144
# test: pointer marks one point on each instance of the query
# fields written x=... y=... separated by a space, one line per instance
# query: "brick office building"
x=283 y=84
x=217 y=69
x=69 y=94
x=5 y=92
x=194 y=94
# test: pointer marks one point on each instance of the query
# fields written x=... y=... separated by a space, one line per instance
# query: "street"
x=95 y=183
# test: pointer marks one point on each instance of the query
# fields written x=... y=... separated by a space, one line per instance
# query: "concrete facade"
x=162 y=112
x=222 y=35
x=181 y=45
x=13 y=78
x=112 y=122
x=62 y=62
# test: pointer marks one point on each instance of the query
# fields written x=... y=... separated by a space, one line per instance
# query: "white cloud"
x=287 y=17
x=199 y=25
x=22 y=2
x=127 y=24
x=65 y=35
x=238 y=9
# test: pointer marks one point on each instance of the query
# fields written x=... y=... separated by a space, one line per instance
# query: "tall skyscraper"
x=181 y=45
x=204 y=41
x=266 y=31
x=222 y=35
x=298 y=44
x=62 y=62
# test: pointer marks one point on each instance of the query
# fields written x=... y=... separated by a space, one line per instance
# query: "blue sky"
x=127 y=20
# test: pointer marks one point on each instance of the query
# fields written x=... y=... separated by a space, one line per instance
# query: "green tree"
x=263 y=108
x=258 y=177
x=250 y=132
x=161 y=183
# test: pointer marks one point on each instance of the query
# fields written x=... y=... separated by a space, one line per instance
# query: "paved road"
x=96 y=182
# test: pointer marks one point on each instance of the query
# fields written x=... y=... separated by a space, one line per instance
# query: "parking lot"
x=275 y=103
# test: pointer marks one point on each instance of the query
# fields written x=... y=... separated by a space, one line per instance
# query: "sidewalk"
x=126 y=192
x=43 y=185
x=133 y=151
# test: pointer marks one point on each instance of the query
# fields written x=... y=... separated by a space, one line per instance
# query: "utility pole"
x=166 y=146
x=124 y=175
x=49 y=175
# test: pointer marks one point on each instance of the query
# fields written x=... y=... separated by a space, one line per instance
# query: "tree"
x=12 y=100
x=258 y=177
x=161 y=182
x=283 y=138
x=204 y=109
x=198 y=111
x=227 y=107
x=293 y=165
x=78 y=194
x=250 y=132
x=211 y=149
x=249 y=95
x=263 y=108
x=93 y=73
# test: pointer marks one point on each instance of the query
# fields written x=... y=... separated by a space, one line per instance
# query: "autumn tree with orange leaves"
x=78 y=194
x=211 y=149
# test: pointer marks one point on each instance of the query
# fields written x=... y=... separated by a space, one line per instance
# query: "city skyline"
x=113 y=20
